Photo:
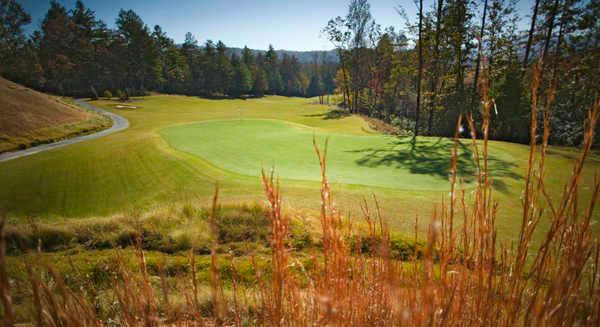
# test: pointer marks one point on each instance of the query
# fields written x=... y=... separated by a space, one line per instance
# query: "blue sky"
x=293 y=25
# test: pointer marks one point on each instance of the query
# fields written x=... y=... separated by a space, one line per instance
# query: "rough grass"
x=138 y=169
x=30 y=118
x=168 y=230
x=87 y=252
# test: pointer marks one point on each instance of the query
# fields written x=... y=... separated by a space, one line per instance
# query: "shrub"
x=405 y=125
x=50 y=238
x=122 y=95
x=302 y=241
x=245 y=224
x=17 y=240
x=108 y=94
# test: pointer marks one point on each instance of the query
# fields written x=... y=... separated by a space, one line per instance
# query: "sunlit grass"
x=138 y=169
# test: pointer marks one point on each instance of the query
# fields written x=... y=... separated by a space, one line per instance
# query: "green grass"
x=246 y=146
x=166 y=158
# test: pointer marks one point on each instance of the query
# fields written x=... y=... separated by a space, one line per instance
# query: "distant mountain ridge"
x=304 y=57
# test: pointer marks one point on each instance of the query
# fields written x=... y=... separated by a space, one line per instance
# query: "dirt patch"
x=381 y=126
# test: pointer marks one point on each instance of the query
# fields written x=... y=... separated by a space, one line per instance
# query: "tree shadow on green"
x=434 y=158
x=331 y=114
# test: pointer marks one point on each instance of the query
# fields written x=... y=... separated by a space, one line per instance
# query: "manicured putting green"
x=246 y=146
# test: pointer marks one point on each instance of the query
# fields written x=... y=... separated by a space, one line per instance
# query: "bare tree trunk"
x=420 y=68
x=549 y=31
x=346 y=90
x=460 y=73
x=530 y=36
x=548 y=38
x=355 y=100
x=563 y=20
x=478 y=64
x=435 y=73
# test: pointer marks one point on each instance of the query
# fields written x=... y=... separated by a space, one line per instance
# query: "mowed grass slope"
x=29 y=117
x=171 y=154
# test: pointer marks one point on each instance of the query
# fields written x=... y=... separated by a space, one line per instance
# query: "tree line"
x=74 y=53
x=422 y=77
x=419 y=78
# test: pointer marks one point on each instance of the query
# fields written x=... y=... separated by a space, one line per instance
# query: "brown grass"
x=464 y=276
x=30 y=117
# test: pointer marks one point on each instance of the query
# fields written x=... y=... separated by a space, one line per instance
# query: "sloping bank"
x=119 y=123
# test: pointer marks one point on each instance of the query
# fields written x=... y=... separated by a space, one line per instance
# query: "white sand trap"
x=125 y=107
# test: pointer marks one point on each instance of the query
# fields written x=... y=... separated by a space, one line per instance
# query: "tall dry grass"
x=463 y=277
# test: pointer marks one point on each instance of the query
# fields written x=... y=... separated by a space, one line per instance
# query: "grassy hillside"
x=30 y=117
x=139 y=169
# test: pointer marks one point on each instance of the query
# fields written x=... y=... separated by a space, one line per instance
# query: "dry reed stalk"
x=214 y=273
x=280 y=229
x=164 y=286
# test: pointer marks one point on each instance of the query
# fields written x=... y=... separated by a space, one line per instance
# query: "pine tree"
x=271 y=67
x=175 y=68
x=87 y=30
x=57 y=36
x=143 y=57
x=191 y=52
x=223 y=70
x=242 y=80
x=260 y=83
x=12 y=38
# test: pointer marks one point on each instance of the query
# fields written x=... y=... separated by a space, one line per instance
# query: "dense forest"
x=421 y=78
x=74 y=53
x=418 y=79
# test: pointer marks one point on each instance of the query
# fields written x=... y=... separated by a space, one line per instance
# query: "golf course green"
x=250 y=145
x=177 y=148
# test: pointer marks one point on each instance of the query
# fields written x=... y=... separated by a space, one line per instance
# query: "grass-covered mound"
x=30 y=118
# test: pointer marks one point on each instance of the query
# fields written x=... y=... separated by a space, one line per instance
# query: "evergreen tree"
x=175 y=68
x=191 y=51
x=209 y=68
x=87 y=33
x=247 y=57
x=249 y=60
x=143 y=55
x=242 y=81
x=260 y=83
x=223 y=70
x=57 y=36
x=315 y=87
x=271 y=66
x=12 y=38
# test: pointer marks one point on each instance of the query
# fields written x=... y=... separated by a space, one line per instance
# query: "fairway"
x=247 y=146
x=178 y=147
